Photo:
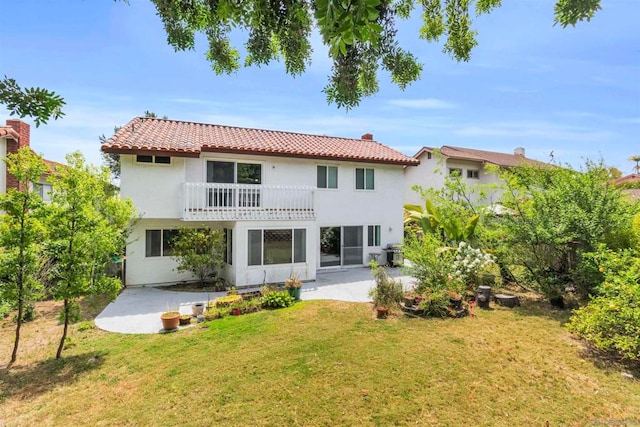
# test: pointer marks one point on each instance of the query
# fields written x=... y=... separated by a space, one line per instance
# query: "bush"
x=611 y=320
x=430 y=264
x=435 y=304
x=280 y=299
x=387 y=292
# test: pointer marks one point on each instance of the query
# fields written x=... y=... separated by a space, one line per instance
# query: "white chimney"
x=519 y=151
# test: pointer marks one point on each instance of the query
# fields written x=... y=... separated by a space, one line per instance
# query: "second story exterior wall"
x=157 y=189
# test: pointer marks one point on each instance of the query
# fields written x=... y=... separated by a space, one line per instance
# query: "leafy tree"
x=558 y=215
x=35 y=102
x=112 y=160
x=21 y=234
x=360 y=35
x=200 y=251
x=87 y=229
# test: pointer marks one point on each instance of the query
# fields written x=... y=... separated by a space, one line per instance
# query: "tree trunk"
x=64 y=331
x=14 y=355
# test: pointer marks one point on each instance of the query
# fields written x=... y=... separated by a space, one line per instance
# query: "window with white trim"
x=473 y=174
x=327 y=176
x=373 y=235
x=44 y=190
x=277 y=246
x=228 y=243
x=455 y=171
x=164 y=160
x=159 y=243
x=365 y=179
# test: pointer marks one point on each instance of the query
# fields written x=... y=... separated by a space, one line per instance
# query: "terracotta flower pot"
x=170 y=320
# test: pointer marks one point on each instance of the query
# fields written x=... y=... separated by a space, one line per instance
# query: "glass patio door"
x=352 y=245
x=340 y=246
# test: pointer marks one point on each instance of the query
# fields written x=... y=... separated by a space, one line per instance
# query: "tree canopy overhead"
x=360 y=34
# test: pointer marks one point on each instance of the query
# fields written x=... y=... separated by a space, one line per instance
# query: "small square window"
x=327 y=177
x=144 y=159
x=473 y=174
x=165 y=160
x=455 y=171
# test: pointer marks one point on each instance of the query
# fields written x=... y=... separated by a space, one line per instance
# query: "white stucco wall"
x=431 y=173
x=156 y=189
x=156 y=192
x=3 y=166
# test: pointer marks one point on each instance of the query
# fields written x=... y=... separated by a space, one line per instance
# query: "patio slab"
x=137 y=310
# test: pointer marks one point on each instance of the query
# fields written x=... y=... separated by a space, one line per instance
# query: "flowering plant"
x=469 y=261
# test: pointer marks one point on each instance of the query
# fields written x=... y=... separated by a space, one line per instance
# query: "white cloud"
x=423 y=104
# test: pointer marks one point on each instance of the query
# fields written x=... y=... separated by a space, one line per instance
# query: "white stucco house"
x=287 y=202
x=470 y=164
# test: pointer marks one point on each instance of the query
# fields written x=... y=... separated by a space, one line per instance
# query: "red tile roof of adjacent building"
x=8 y=131
x=634 y=177
x=499 y=159
x=148 y=135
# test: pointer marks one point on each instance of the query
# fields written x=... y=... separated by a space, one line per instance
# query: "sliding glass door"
x=340 y=246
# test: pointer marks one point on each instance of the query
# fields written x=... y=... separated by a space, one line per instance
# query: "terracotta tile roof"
x=499 y=159
x=634 y=177
x=152 y=135
x=8 y=131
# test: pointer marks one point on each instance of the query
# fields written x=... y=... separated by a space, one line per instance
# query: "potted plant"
x=293 y=286
x=185 y=319
x=170 y=320
x=387 y=292
x=197 y=308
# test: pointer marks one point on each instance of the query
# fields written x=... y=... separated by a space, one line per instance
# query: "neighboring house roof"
x=633 y=178
x=8 y=131
x=147 y=135
x=492 y=157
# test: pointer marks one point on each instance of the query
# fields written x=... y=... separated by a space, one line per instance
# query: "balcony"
x=205 y=201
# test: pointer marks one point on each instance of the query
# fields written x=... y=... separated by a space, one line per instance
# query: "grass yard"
x=317 y=363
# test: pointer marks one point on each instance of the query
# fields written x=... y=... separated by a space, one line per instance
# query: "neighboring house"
x=14 y=136
x=630 y=184
x=470 y=164
x=286 y=202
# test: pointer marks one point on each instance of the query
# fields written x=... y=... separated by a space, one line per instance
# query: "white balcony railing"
x=205 y=201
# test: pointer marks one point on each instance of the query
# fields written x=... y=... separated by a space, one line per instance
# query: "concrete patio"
x=137 y=310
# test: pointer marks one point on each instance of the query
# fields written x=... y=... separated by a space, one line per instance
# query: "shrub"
x=279 y=299
x=611 y=320
x=430 y=264
x=388 y=292
x=435 y=304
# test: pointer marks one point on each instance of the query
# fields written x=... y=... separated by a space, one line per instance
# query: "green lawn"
x=318 y=363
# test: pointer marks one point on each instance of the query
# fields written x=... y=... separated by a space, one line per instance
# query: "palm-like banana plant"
x=431 y=220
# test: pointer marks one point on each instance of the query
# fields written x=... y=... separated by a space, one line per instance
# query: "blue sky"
x=574 y=92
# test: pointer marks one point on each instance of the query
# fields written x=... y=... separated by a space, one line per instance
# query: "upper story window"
x=164 y=160
x=327 y=177
x=234 y=172
x=455 y=171
x=365 y=179
x=473 y=174
x=428 y=156
x=45 y=191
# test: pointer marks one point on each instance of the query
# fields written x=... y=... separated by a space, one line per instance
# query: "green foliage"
x=360 y=36
x=388 y=292
x=88 y=227
x=611 y=320
x=21 y=235
x=433 y=220
x=560 y=214
x=570 y=12
x=200 y=251
x=431 y=264
x=435 y=304
x=280 y=299
x=37 y=103
x=74 y=313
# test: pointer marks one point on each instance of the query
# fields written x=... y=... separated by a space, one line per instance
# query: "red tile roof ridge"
x=146 y=135
x=251 y=128
x=8 y=131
